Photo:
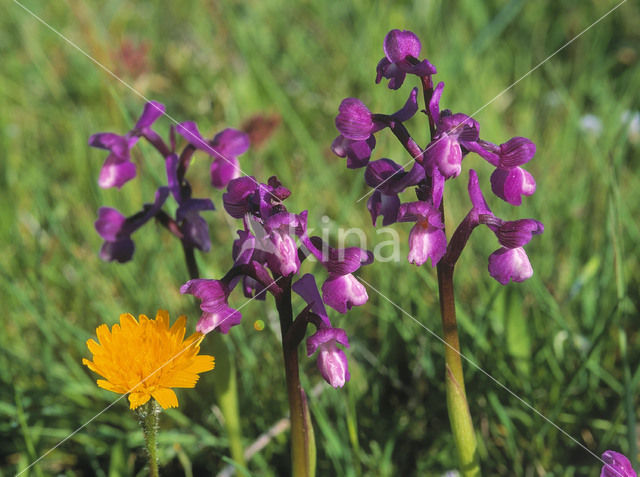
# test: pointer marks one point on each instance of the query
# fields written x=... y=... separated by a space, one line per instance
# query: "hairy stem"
x=149 y=415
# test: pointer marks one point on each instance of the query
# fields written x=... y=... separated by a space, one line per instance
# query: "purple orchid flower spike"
x=187 y=224
x=225 y=147
x=452 y=137
x=616 y=465
x=402 y=49
x=116 y=229
x=118 y=168
x=216 y=313
x=267 y=259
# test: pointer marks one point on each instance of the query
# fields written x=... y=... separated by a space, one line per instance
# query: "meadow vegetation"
x=567 y=341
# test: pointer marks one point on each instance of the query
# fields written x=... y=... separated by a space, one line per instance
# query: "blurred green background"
x=566 y=341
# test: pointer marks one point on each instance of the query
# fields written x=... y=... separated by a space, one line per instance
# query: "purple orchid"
x=509 y=181
x=268 y=255
x=510 y=262
x=225 y=147
x=354 y=120
x=332 y=362
x=356 y=152
x=357 y=126
x=194 y=229
x=116 y=229
x=270 y=231
x=188 y=225
x=118 y=168
x=389 y=180
x=341 y=290
x=453 y=134
x=402 y=49
x=616 y=465
x=216 y=311
x=453 y=138
x=427 y=239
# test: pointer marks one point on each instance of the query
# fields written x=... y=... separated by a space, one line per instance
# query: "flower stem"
x=149 y=417
x=303 y=452
x=457 y=405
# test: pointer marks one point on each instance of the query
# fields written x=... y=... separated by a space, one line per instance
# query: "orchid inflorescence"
x=453 y=137
x=267 y=258
x=118 y=169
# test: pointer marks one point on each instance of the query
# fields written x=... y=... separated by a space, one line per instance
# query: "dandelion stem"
x=150 y=417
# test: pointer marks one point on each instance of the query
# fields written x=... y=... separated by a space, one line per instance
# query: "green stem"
x=150 y=417
x=302 y=438
x=457 y=405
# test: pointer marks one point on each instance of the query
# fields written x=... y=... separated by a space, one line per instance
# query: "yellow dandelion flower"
x=146 y=358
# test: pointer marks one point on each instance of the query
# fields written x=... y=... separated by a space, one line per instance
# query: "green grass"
x=567 y=341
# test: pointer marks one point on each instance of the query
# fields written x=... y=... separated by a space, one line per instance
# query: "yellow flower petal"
x=104 y=336
x=178 y=328
x=162 y=317
x=111 y=387
x=147 y=358
x=165 y=397
x=138 y=399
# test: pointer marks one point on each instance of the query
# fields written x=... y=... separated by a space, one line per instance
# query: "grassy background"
x=566 y=341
